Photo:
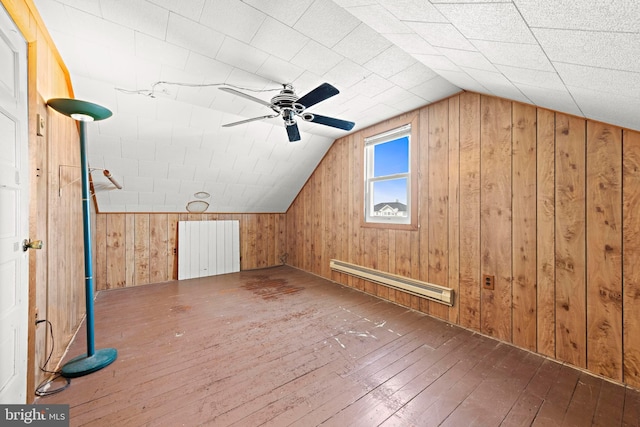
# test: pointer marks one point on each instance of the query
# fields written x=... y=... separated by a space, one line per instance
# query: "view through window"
x=387 y=157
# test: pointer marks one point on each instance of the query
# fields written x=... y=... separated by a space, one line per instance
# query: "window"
x=388 y=177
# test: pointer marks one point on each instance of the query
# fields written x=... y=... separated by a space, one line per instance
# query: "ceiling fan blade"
x=241 y=122
x=293 y=132
x=244 y=95
x=328 y=121
x=322 y=92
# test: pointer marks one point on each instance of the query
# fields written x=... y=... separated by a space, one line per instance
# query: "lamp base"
x=83 y=365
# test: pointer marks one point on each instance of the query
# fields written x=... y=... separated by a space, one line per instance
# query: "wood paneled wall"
x=56 y=276
x=139 y=248
x=545 y=202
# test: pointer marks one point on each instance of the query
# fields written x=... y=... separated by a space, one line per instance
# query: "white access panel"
x=208 y=248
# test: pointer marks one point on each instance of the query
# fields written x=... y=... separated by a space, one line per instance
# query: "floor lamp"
x=93 y=360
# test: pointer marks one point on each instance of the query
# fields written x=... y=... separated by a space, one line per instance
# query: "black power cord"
x=56 y=374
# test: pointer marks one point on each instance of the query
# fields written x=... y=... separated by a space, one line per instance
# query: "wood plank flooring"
x=281 y=347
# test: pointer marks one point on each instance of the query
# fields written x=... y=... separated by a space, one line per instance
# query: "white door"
x=14 y=206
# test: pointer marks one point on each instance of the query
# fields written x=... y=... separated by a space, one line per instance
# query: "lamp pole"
x=93 y=360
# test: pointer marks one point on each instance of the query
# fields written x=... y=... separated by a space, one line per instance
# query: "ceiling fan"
x=288 y=105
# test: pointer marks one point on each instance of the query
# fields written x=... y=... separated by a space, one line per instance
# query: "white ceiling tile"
x=558 y=100
x=97 y=92
x=120 y=166
x=189 y=188
x=351 y=3
x=204 y=118
x=413 y=10
x=181 y=172
x=166 y=186
x=326 y=23
x=179 y=112
x=232 y=17
x=411 y=103
x=608 y=108
x=191 y=9
x=287 y=12
x=153 y=169
x=412 y=43
x=316 y=57
x=279 y=70
x=362 y=44
x=133 y=104
x=241 y=55
x=278 y=39
x=465 y=58
x=140 y=150
x=100 y=32
x=379 y=18
x=616 y=15
x=389 y=97
x=514 y=54
x=139 y=15
x=413 y=76
x=498 y=84
x=151 y=198
x=437 y=62
x=488 y=21
x=253 y=167
x=123 y=197
x=170 y=153
x=187 y=136
x=469 y=1
x=346 y=73
x=211 y=69
x=195 y=96
x=390 y=62
x=121 y=125
x=154 y=49
x=91 y=6
x=198 y=156
x=618 y=51
x=137 y=183
x=249 y=178
x=371 y=86
x=463 y=80
x=205 y=173
x=622 y=83
x=154 y=130
x=194 y=36
x=56 y=14
x=67 y=45
x=100 y=145
x=176 y=198
x=536 y=78
x=435 y=89
x=146 y=73
x=441 y=35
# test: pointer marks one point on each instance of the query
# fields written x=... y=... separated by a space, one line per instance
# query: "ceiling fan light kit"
x=288 y=105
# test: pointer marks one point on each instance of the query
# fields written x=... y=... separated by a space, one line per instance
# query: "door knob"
x=31 y=244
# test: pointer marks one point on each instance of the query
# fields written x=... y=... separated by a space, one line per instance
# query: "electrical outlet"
x=40 y=125
x=488 y=282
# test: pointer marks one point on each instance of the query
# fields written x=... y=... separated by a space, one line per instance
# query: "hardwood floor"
x=282 y=347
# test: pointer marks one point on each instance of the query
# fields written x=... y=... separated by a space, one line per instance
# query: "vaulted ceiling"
x=159 y=64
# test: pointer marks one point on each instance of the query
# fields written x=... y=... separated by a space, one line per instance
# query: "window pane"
x=390 y=197
x=391 y=157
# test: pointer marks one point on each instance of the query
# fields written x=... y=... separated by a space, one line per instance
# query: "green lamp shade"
x=79 y=110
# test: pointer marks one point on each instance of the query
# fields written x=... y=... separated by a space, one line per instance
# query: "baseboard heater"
x=430 y=291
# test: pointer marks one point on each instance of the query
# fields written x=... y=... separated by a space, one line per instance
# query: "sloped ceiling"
x=165 y=141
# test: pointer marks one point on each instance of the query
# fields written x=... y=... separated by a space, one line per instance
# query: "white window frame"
x=369 y=144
